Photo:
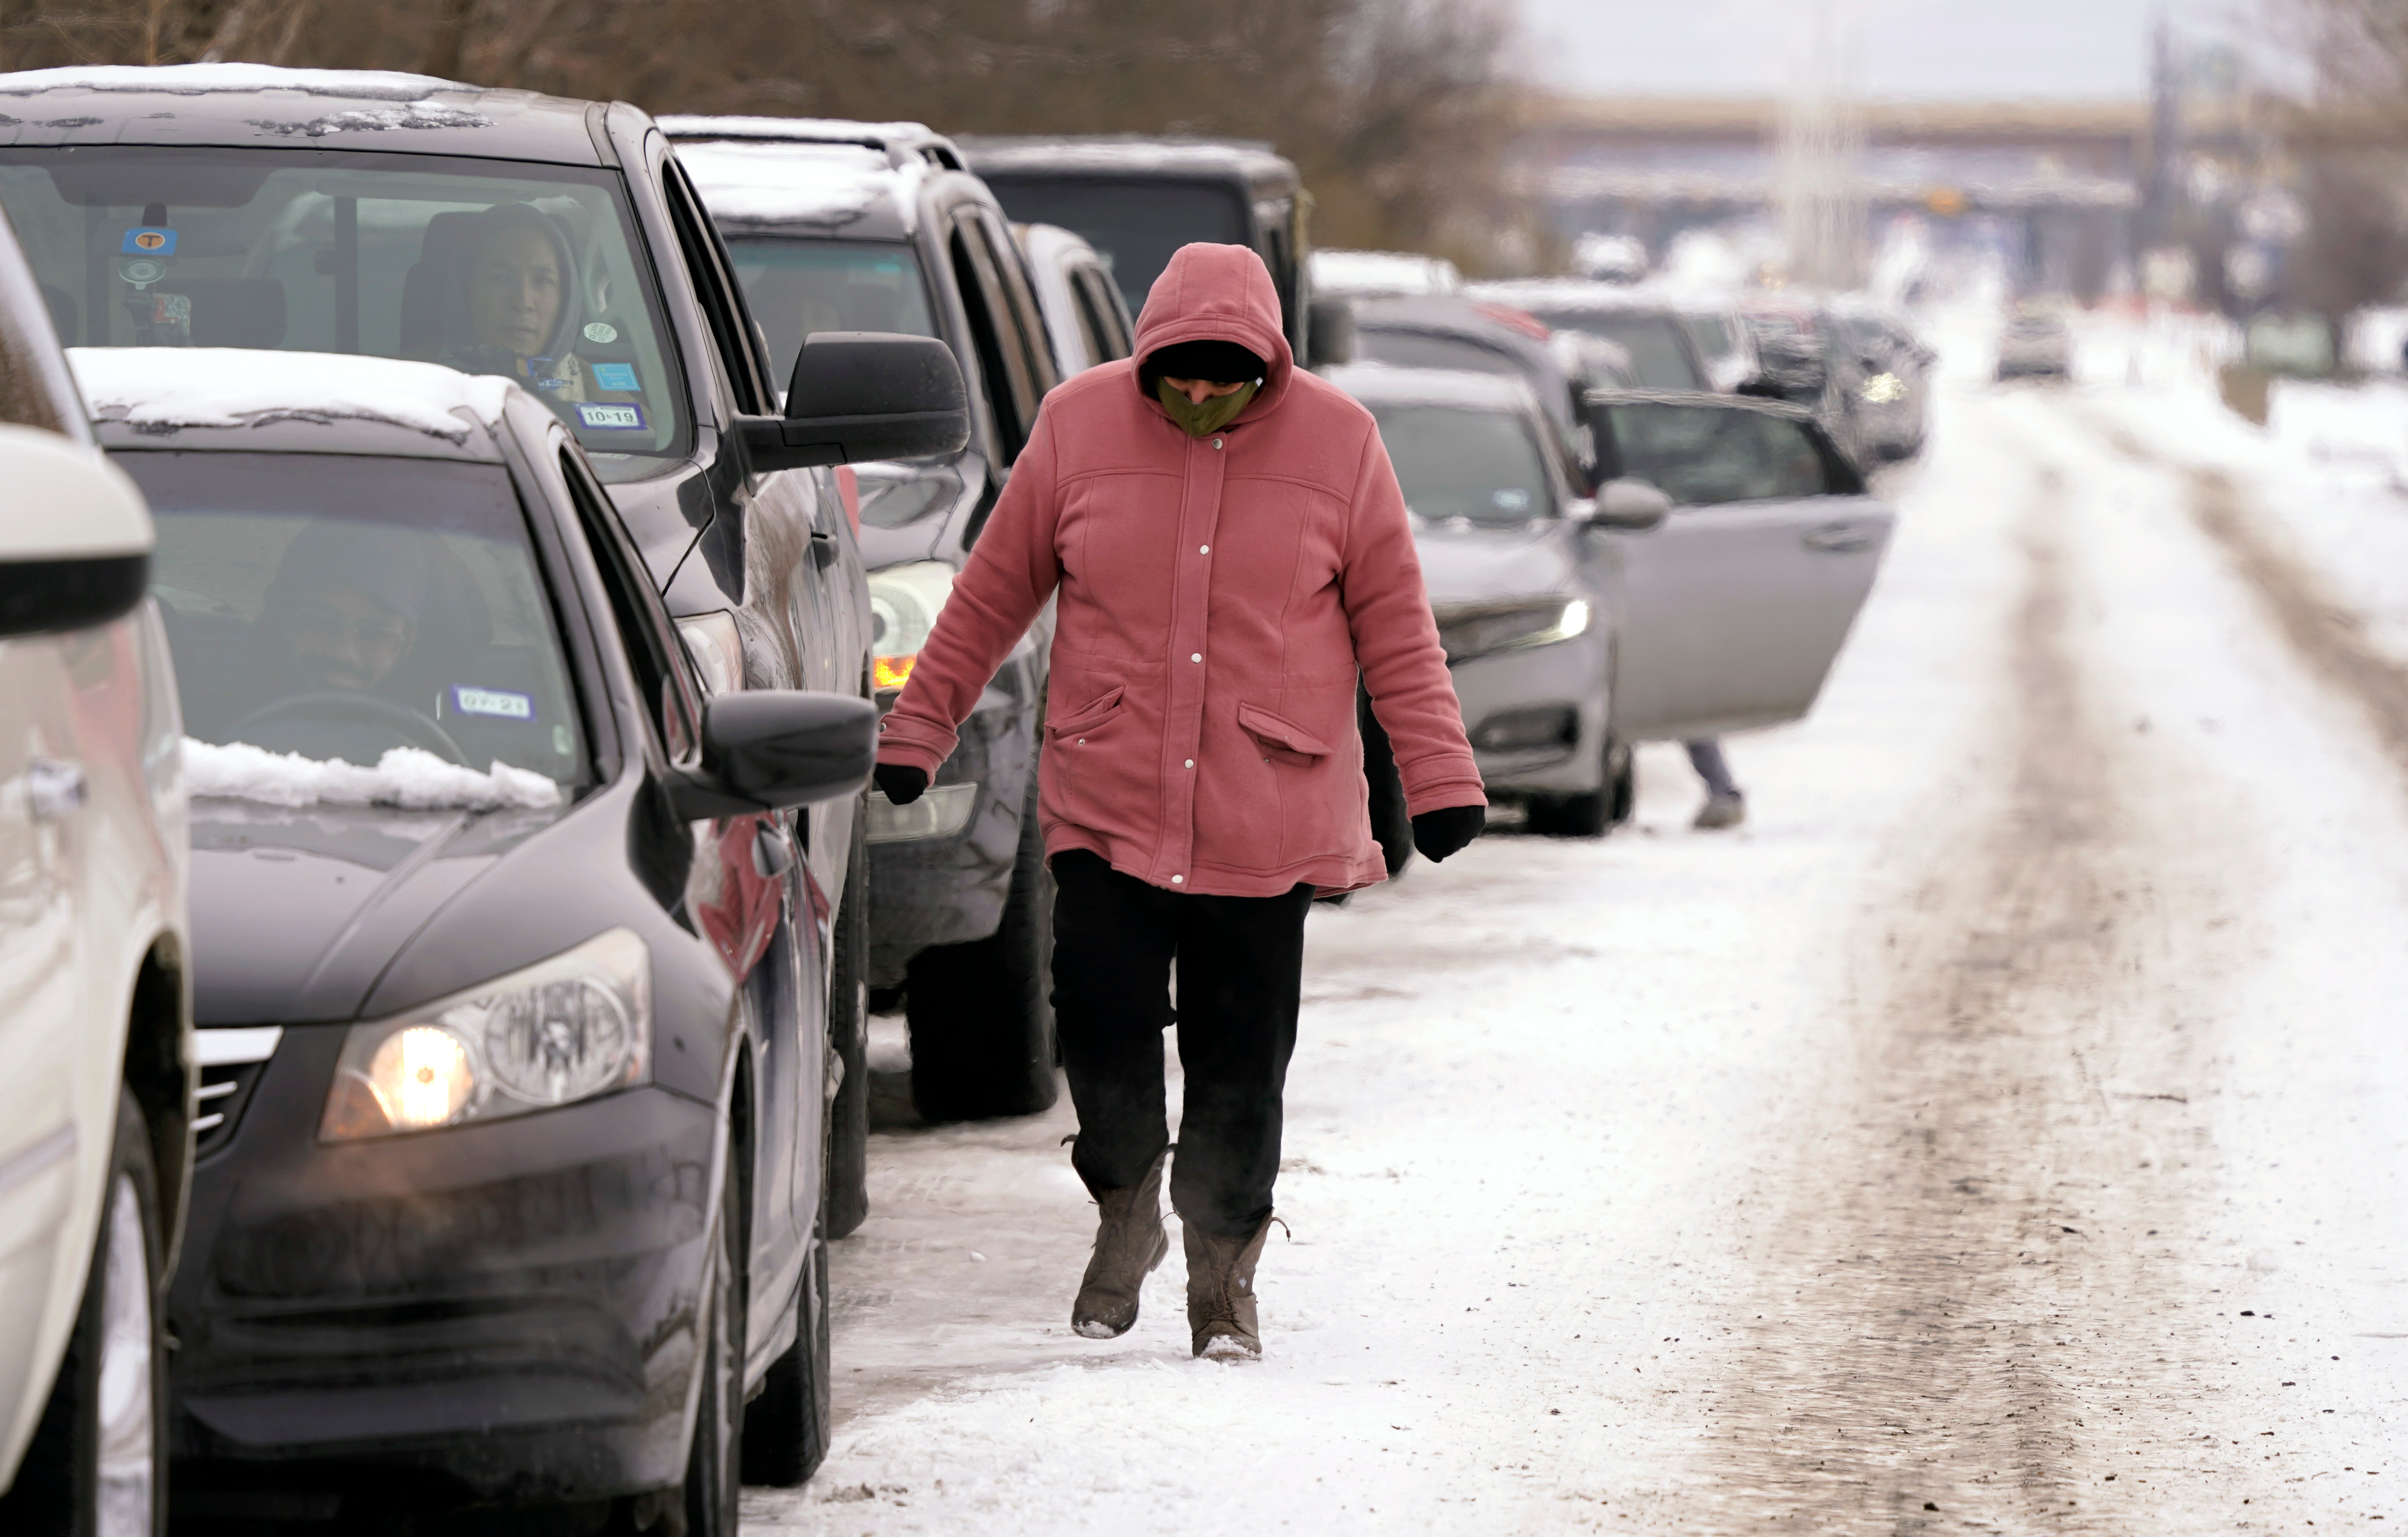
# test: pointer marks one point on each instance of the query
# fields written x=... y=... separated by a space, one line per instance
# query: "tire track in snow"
x=2324 y=632
x=1929 y=1354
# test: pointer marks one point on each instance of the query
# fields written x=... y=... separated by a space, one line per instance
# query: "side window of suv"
x=731 y=325
x=1020 y=298
x=1001 y=357
x=651 y=643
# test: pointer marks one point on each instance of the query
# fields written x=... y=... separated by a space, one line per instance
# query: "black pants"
x=1240 y=965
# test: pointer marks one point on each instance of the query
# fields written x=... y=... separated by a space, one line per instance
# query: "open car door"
x=1732 y=609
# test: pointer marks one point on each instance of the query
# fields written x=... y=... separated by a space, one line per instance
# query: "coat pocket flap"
x=1269 y=728
x=1090 y=716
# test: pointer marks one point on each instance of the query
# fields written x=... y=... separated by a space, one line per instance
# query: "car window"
x=1706 y=455
x=1134 y=225
x=1454 y=461
x=1027 y=321
x=341 y=608
x=797 y=287
x=1713 y=336
x=1009 y=392
x=1425 y=349
x=34 y=390
x=1658 y=361
x=1103 y=302
x=653 y=651
x=731 y=331
x=529 y=271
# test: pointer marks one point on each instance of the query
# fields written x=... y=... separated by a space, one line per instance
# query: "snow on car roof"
x=1387 y=384
x=163 y=389
x=1121 y=153
x=207 y=79
x=1570 y=294
x=797 y=183
x=690 y=125
x=1382 y=273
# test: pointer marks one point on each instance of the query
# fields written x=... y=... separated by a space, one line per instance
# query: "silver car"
x=1706 y=587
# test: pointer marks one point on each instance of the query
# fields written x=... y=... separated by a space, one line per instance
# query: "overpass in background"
x=2056 y=185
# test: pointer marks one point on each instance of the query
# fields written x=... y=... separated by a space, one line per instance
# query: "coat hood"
x=1221 y=294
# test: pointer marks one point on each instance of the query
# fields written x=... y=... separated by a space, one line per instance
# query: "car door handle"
x=823 y=549
x=1837 y=540
x=54 y=787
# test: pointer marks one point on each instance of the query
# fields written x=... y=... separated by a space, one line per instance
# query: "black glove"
x=1445 y=831
x=900 y=782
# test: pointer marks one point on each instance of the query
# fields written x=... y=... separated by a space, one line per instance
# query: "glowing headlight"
x=562 y=1029
x=1479 y=630
x=1881 y=389
x=904 y=602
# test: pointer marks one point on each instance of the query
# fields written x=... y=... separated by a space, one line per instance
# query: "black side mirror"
x=1331 y=331
x=769 y=750
x=865 y=394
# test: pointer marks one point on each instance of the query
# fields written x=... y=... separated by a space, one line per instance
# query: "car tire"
x=96 y=1463
x=1622 y=780
x=846 y=1203
x=786 y=1425
x=982 y=1014
x=714 y=1454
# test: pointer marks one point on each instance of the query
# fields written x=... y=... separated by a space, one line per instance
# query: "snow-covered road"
x=2005 y=1132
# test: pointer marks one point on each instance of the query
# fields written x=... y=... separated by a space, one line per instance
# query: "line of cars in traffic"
x=533 y=504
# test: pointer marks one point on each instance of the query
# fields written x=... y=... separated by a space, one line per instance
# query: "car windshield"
x=1713 y=336
x=341 y=608
x=489 y=267
x=1657 y=358
x=1456 y=462
x=1134 y=225
x=796 y=286
x=1701 y=455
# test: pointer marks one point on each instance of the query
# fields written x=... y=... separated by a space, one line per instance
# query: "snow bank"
x=208 y=80
x=791 y=183
x=161 y=389
x=409 y=777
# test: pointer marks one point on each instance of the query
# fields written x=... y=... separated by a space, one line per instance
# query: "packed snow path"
x=2004 y=1133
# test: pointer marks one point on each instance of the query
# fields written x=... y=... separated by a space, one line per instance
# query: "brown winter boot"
x=1129 y=1243
x=1221 y=1291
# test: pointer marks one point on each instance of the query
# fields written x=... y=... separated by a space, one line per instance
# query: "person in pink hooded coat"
x=1229 y=552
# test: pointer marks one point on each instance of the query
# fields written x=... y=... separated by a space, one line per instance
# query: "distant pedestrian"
x=1228 y=550
x=1725 y=802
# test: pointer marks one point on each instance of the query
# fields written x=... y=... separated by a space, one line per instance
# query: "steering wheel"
x=417 y=729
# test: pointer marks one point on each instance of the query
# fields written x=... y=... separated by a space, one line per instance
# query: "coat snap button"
x=1082 y=741
x=1203 y=550
x=1195 y=656
x=1191 y=763
x=1179 y=880
x=1216 y=443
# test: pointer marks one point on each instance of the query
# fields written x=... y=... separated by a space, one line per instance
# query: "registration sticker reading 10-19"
x=610 y=416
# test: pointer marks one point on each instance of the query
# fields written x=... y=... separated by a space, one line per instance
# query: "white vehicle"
x=1086 y=318
x=1383 y=275
x=96 y=1104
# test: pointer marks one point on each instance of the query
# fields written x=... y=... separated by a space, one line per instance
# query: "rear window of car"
x=1657 y=358
x=796 y=286
x=341 y=606
x=1427 y=349
x=530 y=271
x=1455 y=462
x=1135 y=225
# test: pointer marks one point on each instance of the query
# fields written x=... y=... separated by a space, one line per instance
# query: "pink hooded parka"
x=1218 y=597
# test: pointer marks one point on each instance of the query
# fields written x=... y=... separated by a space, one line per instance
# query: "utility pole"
x=1822 y=203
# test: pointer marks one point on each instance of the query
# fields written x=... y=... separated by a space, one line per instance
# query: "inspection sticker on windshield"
x=145 y=241
x=500 y=703
x=601 y=331
x=610 y=416
x=615 y=375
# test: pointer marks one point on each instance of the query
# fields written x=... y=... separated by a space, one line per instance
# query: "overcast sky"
x=1892 y=48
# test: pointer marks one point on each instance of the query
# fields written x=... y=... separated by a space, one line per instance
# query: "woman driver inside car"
x=514 y=312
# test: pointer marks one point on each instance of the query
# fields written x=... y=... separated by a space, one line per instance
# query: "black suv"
x=1137 y=200
x=842 y=226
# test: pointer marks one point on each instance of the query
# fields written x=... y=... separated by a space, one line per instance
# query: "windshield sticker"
x=610 y=418
x=146 y=241
x=615 y=375
x=500 y=703
x=1512 y=499
x=600 y=331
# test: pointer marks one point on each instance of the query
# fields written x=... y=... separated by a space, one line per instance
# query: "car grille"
x=231 y=1063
